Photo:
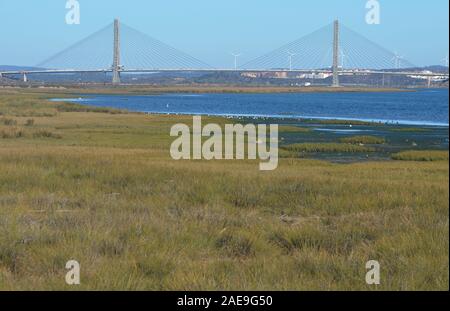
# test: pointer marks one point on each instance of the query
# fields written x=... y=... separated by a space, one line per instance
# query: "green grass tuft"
x=44 y=133
x=8 y=122
x=409 y=129
x=327 y=148
x=293 y=129
x=421 y=155
x=11 y=133
x=29 y=122
x=70 y=107
x=366 y=140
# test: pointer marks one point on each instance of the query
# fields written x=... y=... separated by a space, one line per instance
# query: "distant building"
x=252 y=75
x=285 y=75
x=313 y=76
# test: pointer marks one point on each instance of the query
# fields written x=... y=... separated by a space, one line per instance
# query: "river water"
x=423 y=107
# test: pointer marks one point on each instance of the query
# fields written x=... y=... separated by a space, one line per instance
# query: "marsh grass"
x=327 y=148
x=409 y=129
x=421 y=155
x=69 y=107
x=11 y=133
x=342 y=122
x=108 y=194
x=45 y=133
x=29 y=122
x=8 y=122
x=293 y=129
x=365 y=140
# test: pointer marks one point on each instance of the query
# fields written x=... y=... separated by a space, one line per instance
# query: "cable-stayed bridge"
x=333 y=49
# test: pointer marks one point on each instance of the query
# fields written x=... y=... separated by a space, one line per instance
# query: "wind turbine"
x=290 y=59
x=343 y=56
x=236 y=56
x=397 y=59
x=446 y=61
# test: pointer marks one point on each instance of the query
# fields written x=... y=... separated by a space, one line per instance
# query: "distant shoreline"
x=196 y=89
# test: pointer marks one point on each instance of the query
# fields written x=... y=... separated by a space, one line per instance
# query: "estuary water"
x=421 y=107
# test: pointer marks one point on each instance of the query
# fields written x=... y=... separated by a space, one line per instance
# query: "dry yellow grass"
x=108 y=195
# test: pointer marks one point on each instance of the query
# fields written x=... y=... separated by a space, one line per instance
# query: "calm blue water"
x=428 y=107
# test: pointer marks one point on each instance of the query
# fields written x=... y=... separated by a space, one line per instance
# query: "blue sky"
x=31 y=31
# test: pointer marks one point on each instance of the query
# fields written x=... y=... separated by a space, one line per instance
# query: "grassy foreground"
x=101 y=188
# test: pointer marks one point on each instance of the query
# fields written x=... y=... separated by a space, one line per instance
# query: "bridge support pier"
x=336 y=54
x=116 y=53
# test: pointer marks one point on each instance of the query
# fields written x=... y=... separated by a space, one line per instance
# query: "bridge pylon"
x=116 y=54
x=336 y=54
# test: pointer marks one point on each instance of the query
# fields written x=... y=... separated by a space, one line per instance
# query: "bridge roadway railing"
x=329 y=71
